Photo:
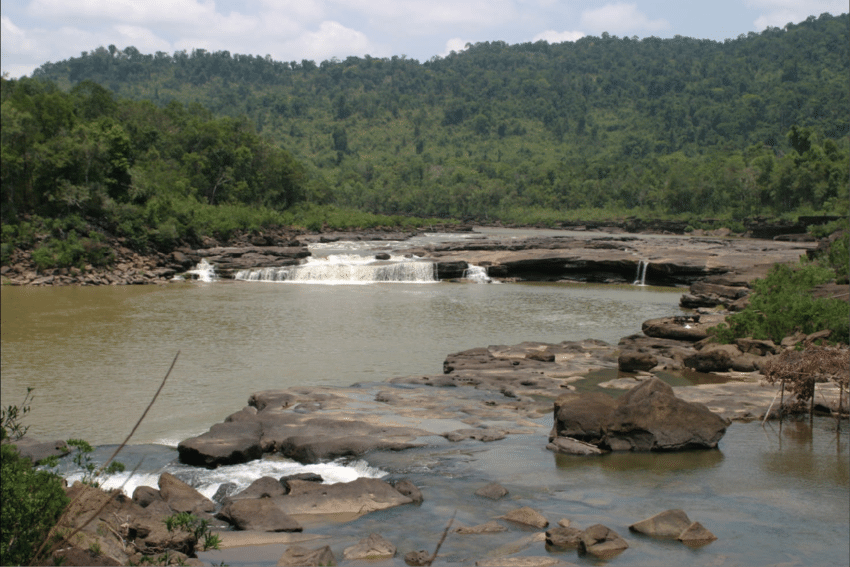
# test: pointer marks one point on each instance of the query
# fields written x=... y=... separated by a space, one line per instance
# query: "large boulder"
x=181 y=497
x=226 y=443
x=650 y=417
x=582 y=416
x=258 y=514
x=344 y=499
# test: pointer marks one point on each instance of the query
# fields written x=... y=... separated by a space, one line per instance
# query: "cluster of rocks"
x=129 y=268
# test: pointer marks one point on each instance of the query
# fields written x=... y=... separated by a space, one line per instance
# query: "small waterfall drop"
x=640 y=277
x=346 y=269
x=477 y=274
x=204 y=271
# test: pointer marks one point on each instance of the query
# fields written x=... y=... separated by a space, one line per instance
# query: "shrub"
x=782 y=303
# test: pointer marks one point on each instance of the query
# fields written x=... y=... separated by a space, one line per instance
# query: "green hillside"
x=522 y=132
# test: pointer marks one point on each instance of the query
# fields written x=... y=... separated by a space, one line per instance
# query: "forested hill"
x=523 y=132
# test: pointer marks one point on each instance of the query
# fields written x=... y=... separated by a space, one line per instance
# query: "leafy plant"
x=91 y=472
x=197 y=527
x=781 y=304
x=31 y=500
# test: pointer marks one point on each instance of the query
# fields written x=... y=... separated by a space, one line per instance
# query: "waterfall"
x=204 y=271
x=640 y=277
x=476 y=274
x=346 y=269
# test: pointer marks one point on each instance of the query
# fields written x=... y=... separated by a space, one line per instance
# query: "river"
x=95 y=356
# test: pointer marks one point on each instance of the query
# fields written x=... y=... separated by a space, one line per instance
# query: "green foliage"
x=91 y=472
x=72 y=251
x=31 y=500
x=11 y=427
x=781 y=304
x=530 y=131
x=199 y=528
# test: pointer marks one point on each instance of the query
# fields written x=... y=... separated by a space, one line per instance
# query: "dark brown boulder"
x=407 y=488
x=583 y=416
x=259 y=514
x=563 y=538
x=713 y=358
x=263 y=487
x=650 y=417
x=633 y=361
x=146 y=495
x=181 y=497
x=224 y=444
x=601 y=542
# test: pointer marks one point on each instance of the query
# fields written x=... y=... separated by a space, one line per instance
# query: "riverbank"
x=597 y=252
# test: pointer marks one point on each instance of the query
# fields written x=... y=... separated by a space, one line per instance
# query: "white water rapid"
x=640 y=277
x=204 y=271
x=477 y=274
x=346 y=269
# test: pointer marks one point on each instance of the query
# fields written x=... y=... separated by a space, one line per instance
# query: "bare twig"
x=442 y=539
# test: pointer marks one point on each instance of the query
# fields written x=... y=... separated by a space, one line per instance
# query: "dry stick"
x=442 y=539
x=770 y=407
x=115 y=493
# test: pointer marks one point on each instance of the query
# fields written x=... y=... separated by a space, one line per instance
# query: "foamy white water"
x=204 y=271
x=207 y=482
x=337 y=269
x=477 y=274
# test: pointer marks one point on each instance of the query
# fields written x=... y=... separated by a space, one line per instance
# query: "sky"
x=37 y=31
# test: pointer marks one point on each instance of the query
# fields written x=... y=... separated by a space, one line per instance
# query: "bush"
x=782 y=303
x=31 y=502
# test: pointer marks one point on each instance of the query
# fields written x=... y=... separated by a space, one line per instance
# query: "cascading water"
x=204 y=271
x=640 y=277
x=346 y=269
x=477 y=274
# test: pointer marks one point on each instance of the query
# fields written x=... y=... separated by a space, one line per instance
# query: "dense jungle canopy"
x=604 y=126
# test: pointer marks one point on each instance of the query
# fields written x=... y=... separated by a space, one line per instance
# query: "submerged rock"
x=298 y=556
x=493 y=491
x=670 y=523
x=602 y=542
x=370 y=548
x=527 y=516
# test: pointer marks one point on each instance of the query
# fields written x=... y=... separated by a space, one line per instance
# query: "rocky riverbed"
x=545 y=394
x=587 y=257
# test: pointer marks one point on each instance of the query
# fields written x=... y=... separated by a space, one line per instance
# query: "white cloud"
x=777 y=13
x=129 y=11
x=553 y=36
x=141 y=38
x=621 y=19
x=333 y=39
x=419 y=18
x=455 y=44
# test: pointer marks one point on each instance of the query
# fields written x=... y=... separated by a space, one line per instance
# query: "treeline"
x=538 y=131
x=82 y=164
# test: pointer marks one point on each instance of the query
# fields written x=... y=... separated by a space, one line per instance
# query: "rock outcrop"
x=647 y=418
